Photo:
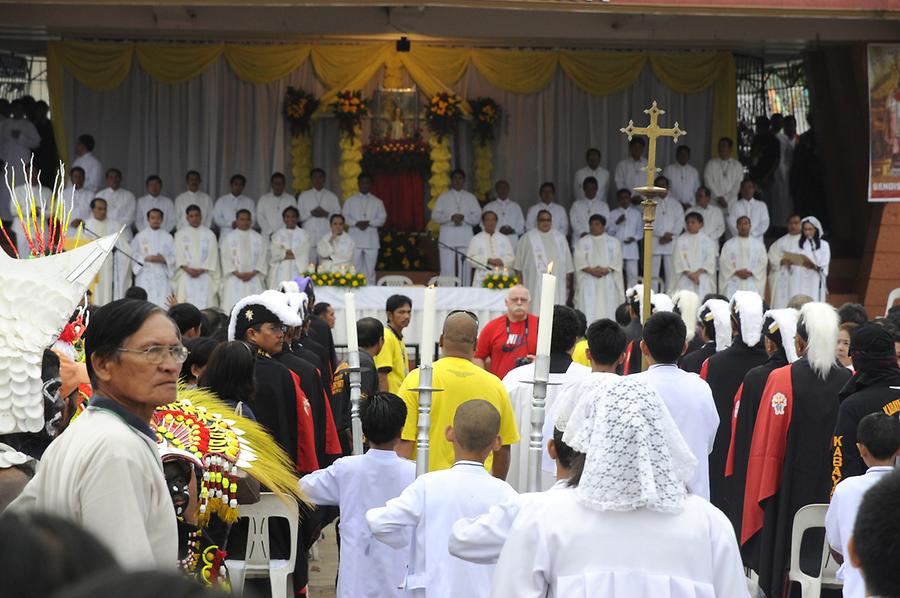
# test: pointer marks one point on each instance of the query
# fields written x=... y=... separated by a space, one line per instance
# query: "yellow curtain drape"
x=176 y=63
x=264 y=64
x=516 y=71
x=602 y=73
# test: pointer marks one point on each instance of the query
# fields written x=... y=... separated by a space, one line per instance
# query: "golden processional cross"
x=649 y=192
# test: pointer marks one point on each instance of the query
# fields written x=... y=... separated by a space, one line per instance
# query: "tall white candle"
x=545 y=324
x=350 y=313
x=429 y=314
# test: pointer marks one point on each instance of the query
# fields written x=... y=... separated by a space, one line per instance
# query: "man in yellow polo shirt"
x=460 y=381
x=391 y=361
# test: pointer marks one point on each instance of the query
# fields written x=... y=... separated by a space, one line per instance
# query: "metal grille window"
x=23 y=75
x=751 y=100
x=786 y=92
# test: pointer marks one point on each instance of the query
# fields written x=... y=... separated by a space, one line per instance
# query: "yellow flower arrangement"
x=443 y=113
x=337 y=279
x=350 y=108
x=499 y=281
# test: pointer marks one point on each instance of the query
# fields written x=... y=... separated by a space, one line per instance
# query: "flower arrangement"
x=397 y=155
x=486 y=113
x=298 y=108
x=500 y=280
x=350 y=108
x=341 y=278
x=400 y=251
x=443 y=113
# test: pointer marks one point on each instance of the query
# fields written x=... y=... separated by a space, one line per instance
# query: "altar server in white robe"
x=536 y=251
x=599 y=288
x=109 y=287
x=155 y=249
x=742 y=263
x=79 y=196
x=747 y=205
x=781 y=287
x=683 y=177
x=120 y=203
x=626 y=223
x=93 y=169
x=316 y=206
x=510 y=218
x=435 y=501
x=271 y=206
x=24 y=194
x=630 y=529
x=809 y=278
x=336 y=250
x=197 y=262
x=723 y=175
x=489 y=247
x=592 y=169
x=364 y=214
x=695 y=258
x=713 y=216
x=227 y=206
x=583 y=209
x=288 y=249
x=631 y=172
x=457 y=211
x=244 y=265
x=547 y=195
x=193 y=197
x=669 y=224
x=154 y=200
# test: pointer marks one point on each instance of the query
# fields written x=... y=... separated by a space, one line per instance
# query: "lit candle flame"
x=550 y=268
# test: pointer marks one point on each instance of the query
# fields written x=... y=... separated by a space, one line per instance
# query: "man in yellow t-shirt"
x=391 y=361
x=460 y=381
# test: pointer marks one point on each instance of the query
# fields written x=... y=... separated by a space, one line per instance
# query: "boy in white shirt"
x=435 y=501
x=626 y=223
x=356 y=484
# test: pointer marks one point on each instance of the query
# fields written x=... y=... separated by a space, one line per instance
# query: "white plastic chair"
x=444 y=281
x=830 y=580
x=807 y=518
x=258 y=562
x=892 y=296
x=395 y=280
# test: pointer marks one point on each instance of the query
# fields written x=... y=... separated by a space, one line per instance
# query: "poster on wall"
x=884 y=122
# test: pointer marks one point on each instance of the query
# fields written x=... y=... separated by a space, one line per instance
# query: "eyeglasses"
x=464 y=311
x=156 y=354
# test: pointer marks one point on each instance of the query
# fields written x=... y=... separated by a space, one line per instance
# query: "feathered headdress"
x=687 y=303
x=748 y=306
x=818 y=327
x=784 y=323
x=717 y=311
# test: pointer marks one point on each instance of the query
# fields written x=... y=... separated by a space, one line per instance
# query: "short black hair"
x=317 y=169
x=623 y=314
x=243 y=211
x=875 y=536
x=590 y=180
x=383 y=416
x=395 y=302
x=320 y=309
x=194 y=172
x=277 y=175
x=853 y=312
x=682 y=148
x=665 y=333
x=158 y=211
x=151 y=178
x=547 y=212
x=111 y=325
x=582 y=322
x=727 y=140
x=136 y=292
x=115 y=170
x=565 y=454
x=592 y=150
x=697 y=215
x=565 y=329
x=192 y=208
x=369 y=331
x=486 y=212
x=237 y=177
x=547 y=184
x=95 y=200
x=880 y=433
x=365 y=175
x=661 y=179
x=87 y=141
x=290 y=209
x=186 y=316
x=637 y=140
x=199 y=351
x=458 y=171
x=606 y=341
x=624 y=191
x=333 y=216
x=597 y=217
x=76 y=168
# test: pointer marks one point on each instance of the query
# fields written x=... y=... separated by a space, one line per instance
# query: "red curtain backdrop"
x=403 y=194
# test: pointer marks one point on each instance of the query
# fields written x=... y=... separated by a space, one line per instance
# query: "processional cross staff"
x=649 y=192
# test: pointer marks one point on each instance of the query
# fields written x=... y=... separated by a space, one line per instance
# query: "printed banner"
x=884 y=122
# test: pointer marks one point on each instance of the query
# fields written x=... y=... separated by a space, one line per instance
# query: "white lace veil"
x=635 y=455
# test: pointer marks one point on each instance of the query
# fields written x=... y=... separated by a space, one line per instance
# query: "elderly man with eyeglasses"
x=511 y=339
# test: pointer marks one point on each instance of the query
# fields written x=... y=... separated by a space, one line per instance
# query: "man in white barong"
x=79 y=197
x=489 y=248
x=154 y=251
x=630 y=172
x=713 y=216
x=227 y=206
x=780 y=282
x=547 y=195
x=809 y=277
x=742 y=263
x=630 y=528
x=87 y=161
x=536 y=251
x=457 y=211
x=599 y=288
x=583 y=209
x=747 y=205
x=154 y=200
x=316 y=206
x=26 y=193
x=108 y=287
x=120 y=203
x=723 y=175
x=197 y=262
x=510 y=219
x=695 y=258
x=244 y=264
x=626 y=223
x=669 y=224
x=271 y=206
x=288 y=249
x=193 y=196
x=593 y=158
x=683 y=177
x=336 y=250
x=364 y=214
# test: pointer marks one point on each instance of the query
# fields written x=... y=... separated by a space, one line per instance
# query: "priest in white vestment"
x=226 y=207
x=93 y=169
x=79 y=197
x=780 y=281
x=534 y=254
x=599 y=288
x=742 y=263
x=364 y=214
x=490 y=248
x=24 y=194
x=723 y=175
x=154 y=248
x=336 y=250
x=684 y=180
x=695 y=259
x=583 y=209
x=510 y=218
x=108 y=286
x=547 y=195
x=197 y=262
x=271 y=206
x=593 y=158
x=244 y=264
x=193 y=196
x=316 y=206
x=630 y=528
x=713 y=216
x=631 y=172
x=669 y=224
x=154 y=200
x=288 y=249
x=457 y=211
x=809 y=277
x=121 y=204
x=747 y=205
x=626 y=223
